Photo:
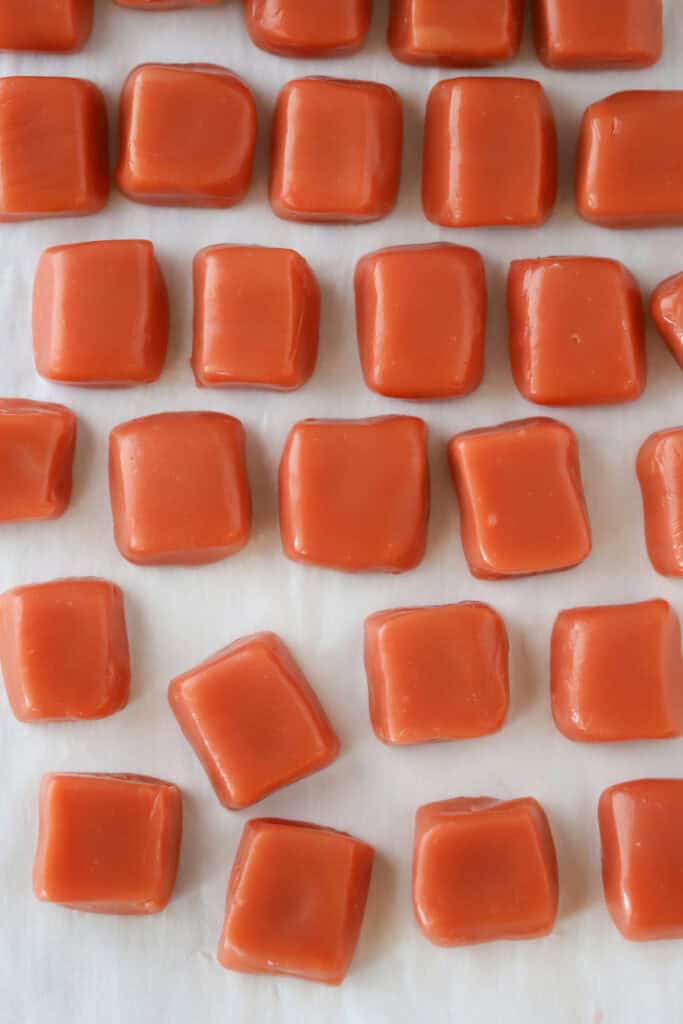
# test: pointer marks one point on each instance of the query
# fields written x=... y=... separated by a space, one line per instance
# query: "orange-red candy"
x=179 y=488
x=187 y=136
x=483 y=870
x=660 y=472
x=469 y=123
x=436 y=673
x=253 y=720
x=166 y=5
x=522 y=509
x=616 y=672
x=307 y=28
x=421 y=320
x=336 y=150
x=60 y=26
x=37 y=441
x=53 y=148
x=107 y=844
x=629 y=160
x=641 y=828
x=577 y=331
x=100 y=314
x=469 y=33
x=64 y=650
x=354 y=494
x=256 y=317
x=666 y=306
x=296 y=901
x=606 y=34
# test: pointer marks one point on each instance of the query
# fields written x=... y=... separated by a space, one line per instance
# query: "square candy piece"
x=484 y=870
x=37 y=441
x=53 y=148
x=60 y=26
x=179 y=488
x=577 y=331
x=667 y=309
x=188 y=133
x=660 y=472
x=629 y=160
x=354 y=494
x=64 y=650
x=436 y=673
x=469 y=33
x=100 y=314
x=296 y=901
x=307 y=28
x=256 y=317
x=107 y=844
x=336 y=150
x=641 y=827
x=617 y=672
x=522 y=509
x=252 y=719
x=469 y=123
x=608 y=34
x=421 y=319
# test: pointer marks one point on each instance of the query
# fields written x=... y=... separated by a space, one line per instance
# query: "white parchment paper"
x=60 y=966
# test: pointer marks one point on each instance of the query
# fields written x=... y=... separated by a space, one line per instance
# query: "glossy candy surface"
x=253 y=720
x=660 y=472
x=421 y=320
x=468 y=33
x=107 y=844
x=437 y=673
x=64 y=650
x=296 y=901
x=37 y=441
x=308 y=28
x=604 y=34
x=354 y=494
x=484 y=870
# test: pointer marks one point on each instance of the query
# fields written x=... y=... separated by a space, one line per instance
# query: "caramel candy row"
x=180 y=491
x=576 y=324
x=433 y=673
x=336 y=149
x=568 y=33
x=483 y=869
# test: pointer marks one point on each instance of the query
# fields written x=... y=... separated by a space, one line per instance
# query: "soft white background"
x=60 y=966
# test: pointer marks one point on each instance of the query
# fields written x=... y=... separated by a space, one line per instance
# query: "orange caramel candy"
x=188 y=133
x=522 y=509
x=61 y=26
x=421 y=320
x=64 y=650
x=469 y=123
x=37 y=441
x=256 y=317
x=484 y=870
x=53 y=148
x=354 y=494
x=577 y=331
x=629 y=160
x=307 y=28
x=107 y=844
x=641 y=828
x=469 y=33
x=253 y=720
x=179 y=488
x=604 y=34
x=296 y=901
x=660 y=472
x=336 y=150
x=100 y=314
x=617 y=672
x=666 y=306
x=436 y=673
